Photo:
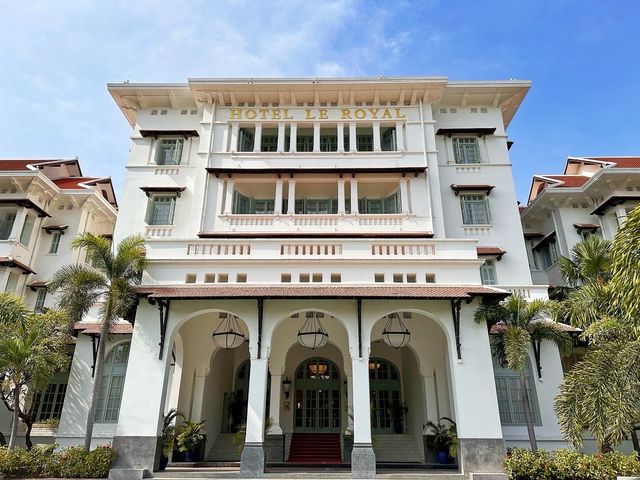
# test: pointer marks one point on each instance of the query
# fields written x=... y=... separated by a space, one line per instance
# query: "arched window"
x=115 y=370
x=510 y=402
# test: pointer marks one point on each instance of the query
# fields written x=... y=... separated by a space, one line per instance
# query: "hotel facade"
x=317 y=250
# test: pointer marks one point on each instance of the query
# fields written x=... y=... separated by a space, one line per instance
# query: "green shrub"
x=569 y=465
x=43 y=461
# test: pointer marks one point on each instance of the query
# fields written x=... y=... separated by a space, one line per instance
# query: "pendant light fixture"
x=312 y=334
x=229 y=334
x=395 y=333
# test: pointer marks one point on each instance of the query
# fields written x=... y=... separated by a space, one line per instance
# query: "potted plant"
x=398 y=411
x=189 y=439
x=445 y=439
x=168 y=435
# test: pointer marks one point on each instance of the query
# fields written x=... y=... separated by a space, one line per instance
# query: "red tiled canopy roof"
x=73 y=183
x=569 y=181
x=12 y=262
x=499 y=327
x=490 y=251
x=317 y=291
x=619 y=162
x=88 y=328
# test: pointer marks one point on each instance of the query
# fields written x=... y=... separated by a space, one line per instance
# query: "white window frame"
x=110 y=396
x=27 y=229
x=155 y=199
x=41 y=298
x=56 y=236
x=462 y=146
x=506 y=382
x=469 y=199
x=180 y=144
x=488 y=272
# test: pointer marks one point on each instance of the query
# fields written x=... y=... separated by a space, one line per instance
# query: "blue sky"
x=583 y=58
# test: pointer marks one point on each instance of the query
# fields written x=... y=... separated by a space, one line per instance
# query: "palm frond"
x=550 y=331
x=130 y=259
x=12 y=309
x=78 y=289
x=98 y=250
x=516 y=347
x=590 y=261
x=625 y=274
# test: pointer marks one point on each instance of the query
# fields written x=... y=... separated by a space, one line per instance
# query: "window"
x=510 y=402
x=209 y=277
x=223 y=277
x=40 y=299
x=430 y=278
x=411 y=278
x=48 y=403
x=465 y=150
x=169 y=151
x=328 y=143
x=390 y=204
x=364 y=143
x=190 y=278
x=398 y=278
x=488 y=272
x=304 y=277
x=55 y=242
x=161 y=209
x=475 y=210
x=316 y=206
x=27 y=228
x=245 y=140
x=285 y=277
x=547 y=255
x=241 y=278
x=304 y=143
x=12 y=282
x=244 y=205
x=316 y=277
x=115 y=370
x=378 y=277
x=336 y=277
x=388 y=139
x=6 y=225
x=269 y=143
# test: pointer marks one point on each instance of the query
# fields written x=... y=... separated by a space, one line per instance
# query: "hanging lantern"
x=312 y=334
x=229 y=334
x=395 y=333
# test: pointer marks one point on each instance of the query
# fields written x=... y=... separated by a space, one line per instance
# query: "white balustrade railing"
x=310 y=249
x=223 y=248
x=403 y=248
x=158 y=231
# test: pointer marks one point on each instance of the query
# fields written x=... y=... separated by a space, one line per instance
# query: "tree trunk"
x=3 y=441
x=16 y=409
x=97 y=378
x=527 y=413
x=634 y=439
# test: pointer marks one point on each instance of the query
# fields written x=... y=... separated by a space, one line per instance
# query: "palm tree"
x=589 y=262
x=519 y=324
x=32 y=349
x=110 y=283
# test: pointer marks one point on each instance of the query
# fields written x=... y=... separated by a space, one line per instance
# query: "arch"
x=115 y=371
x=437 y=320
x=317 y=396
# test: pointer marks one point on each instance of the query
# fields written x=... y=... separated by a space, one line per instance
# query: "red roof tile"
x=621 y=162
x=490 y=251
x=94 y=328
x=12 y=262
x=569 y=181
x=498 y=327
x=324 y=291
x=72 y=183
x=22 y=165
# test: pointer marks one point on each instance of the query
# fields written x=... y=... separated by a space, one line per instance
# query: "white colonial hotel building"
x=356 y=215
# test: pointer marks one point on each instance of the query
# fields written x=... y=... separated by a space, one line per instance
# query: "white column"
x=197 y=399
x=361 y=406
x=354 y=195
x=274 y=404
x=252 y=459
x=277 y=207
x=341 y=137
x=376 y=137
x=350 y=402
x=431 y=160
x=316 y=136
x=352 y=137
x=257 y=139
x=228 y=199
x=293 y=134
x=399 y=137
x=233 y=145
x=404 y=195
x=430 y=395
x=291 y=202
x=281 y=131
x=341 y=202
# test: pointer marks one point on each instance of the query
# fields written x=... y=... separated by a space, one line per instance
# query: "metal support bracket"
x=163 y=308
x=95 y=344
x=456 y=305
x=260 y=319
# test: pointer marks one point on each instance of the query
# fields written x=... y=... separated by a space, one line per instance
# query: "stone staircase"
x=224 y=449
x=397 y=448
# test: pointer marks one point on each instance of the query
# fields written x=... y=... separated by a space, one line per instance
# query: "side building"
x=591 y=197
x=317 y=250
x=44 y=204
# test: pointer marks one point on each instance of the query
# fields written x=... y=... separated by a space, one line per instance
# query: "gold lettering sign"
x=302 y=114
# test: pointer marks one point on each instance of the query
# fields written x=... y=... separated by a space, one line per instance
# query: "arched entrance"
x=387 y=413
x=317 y=396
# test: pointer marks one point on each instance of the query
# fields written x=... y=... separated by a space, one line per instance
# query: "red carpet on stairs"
x=320 y=448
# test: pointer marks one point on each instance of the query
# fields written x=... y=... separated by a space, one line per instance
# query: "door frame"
x=304 y=384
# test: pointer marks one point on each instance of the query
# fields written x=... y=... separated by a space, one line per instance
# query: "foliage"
x=169 y=430
x=589 y=262
x=42 y=462
x=625 y=274
x=110 y=283
x=32 y=348
x=189 y=436
x=445 y=436
x=517 y=324
x=239 y=436
x=523 y=464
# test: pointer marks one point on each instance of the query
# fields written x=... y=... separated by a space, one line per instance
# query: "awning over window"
x=168 y=189
x=490 y=252
x=26 y=203
x=466 y=131
x=613 y=201
x=87 y=328
x=486 y=189
x=55 y=228
x=169 y=133
x=38 y=284
x=580 y=227
x=13 y=263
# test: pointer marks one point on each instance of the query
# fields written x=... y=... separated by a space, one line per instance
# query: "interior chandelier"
x=312 y=334
x=229 y=334
x=395 y=333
